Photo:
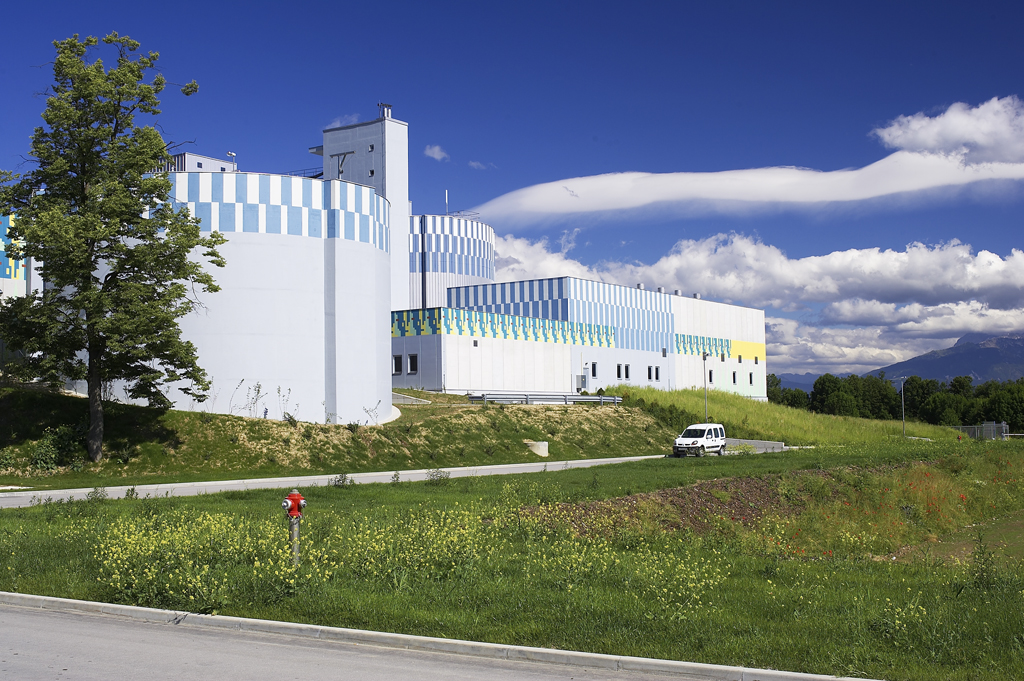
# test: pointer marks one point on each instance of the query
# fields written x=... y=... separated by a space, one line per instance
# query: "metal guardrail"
x=511 y=398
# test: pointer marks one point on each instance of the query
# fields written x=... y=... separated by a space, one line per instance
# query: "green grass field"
x=864 y=554
x=758 y=560
x=744 y=418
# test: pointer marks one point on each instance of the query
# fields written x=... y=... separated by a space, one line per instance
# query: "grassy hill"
x=146 y=445
x=744 y=418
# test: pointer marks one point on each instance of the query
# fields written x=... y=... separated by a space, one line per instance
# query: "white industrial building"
x=567 y=334
x=329 y=301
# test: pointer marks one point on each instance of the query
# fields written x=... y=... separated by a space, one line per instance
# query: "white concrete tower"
x=376 y=153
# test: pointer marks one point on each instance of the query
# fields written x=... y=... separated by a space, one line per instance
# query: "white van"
x=700 y=438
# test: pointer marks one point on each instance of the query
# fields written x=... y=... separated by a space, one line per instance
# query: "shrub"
x=438 y=477
x=60 y=446
x=7 y=459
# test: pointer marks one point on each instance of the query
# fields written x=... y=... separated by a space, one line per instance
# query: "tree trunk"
x=94 y=440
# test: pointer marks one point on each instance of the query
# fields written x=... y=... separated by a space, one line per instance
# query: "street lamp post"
x=705 y=387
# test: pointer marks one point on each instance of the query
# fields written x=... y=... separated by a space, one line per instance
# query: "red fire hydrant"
x=293 y=505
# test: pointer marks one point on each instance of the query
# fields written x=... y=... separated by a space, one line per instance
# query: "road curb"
x=691 y=670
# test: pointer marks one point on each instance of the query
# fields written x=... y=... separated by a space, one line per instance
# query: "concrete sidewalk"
x=21 y=498
x=758 y=445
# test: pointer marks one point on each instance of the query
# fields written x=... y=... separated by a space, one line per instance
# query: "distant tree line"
x=957 y=403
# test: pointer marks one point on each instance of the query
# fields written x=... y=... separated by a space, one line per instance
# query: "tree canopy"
x=958 y=403
x=115 y=256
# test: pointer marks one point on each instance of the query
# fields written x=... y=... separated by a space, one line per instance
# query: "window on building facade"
x=627 y=372
x=755 y=359
x=664 y=352
x=734 y=378
x=657 y=373
x=740 y=358
x=476 y=343
x=723 y=356
x=650 y=373
x=593 y=369
x=751 y=378
x=414 y=364
x=396 y=365
x=618 y=371
x=711 y=375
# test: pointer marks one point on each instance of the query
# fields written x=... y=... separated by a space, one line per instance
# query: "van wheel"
x=721 y=450
x=700 y=452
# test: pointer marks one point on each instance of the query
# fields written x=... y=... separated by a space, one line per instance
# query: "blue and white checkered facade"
x=641 y=319
x=447 y=251
x=13 y=275
x=282 y=204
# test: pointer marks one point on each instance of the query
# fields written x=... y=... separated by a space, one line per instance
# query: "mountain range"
x=983 y=357
x=980 y=356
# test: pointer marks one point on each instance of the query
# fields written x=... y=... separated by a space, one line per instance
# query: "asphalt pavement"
x=55 y=638
x=48 y=644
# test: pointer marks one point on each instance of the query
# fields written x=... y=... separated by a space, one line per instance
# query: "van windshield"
x=693 y=432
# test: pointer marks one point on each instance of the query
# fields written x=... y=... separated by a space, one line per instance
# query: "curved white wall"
x=305 y=297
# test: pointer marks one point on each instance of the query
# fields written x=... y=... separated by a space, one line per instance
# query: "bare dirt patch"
x=695 y=508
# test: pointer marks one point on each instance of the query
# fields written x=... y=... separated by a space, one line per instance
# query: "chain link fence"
x=989 y=430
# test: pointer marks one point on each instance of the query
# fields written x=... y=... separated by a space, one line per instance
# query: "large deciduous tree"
x=115 y=257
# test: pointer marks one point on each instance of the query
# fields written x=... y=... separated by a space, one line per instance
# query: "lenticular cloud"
x=959 y=147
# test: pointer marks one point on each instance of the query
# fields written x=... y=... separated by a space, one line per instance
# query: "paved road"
x=47 y=644
x=21 y=498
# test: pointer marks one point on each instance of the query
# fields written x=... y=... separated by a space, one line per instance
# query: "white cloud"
x=795 y=347
x=992 y=131
x=342 y=121
x=736 y=268
x=477 y=165
x=435 y=152
x=956 y=149
x=860 y=309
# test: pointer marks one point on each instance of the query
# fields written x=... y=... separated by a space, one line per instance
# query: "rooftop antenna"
x=384 y=110
x=234 y=161
x=446 y=202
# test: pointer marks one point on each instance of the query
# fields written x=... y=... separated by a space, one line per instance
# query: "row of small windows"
x=397 y=364
x=410 y=365
x=622 y=372
x=711 y=377
x=654 y=373
x=739 y=358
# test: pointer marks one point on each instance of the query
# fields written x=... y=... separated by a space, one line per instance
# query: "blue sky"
x=531 y=97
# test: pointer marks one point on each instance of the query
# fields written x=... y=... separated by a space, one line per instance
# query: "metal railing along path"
x=531 y=398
